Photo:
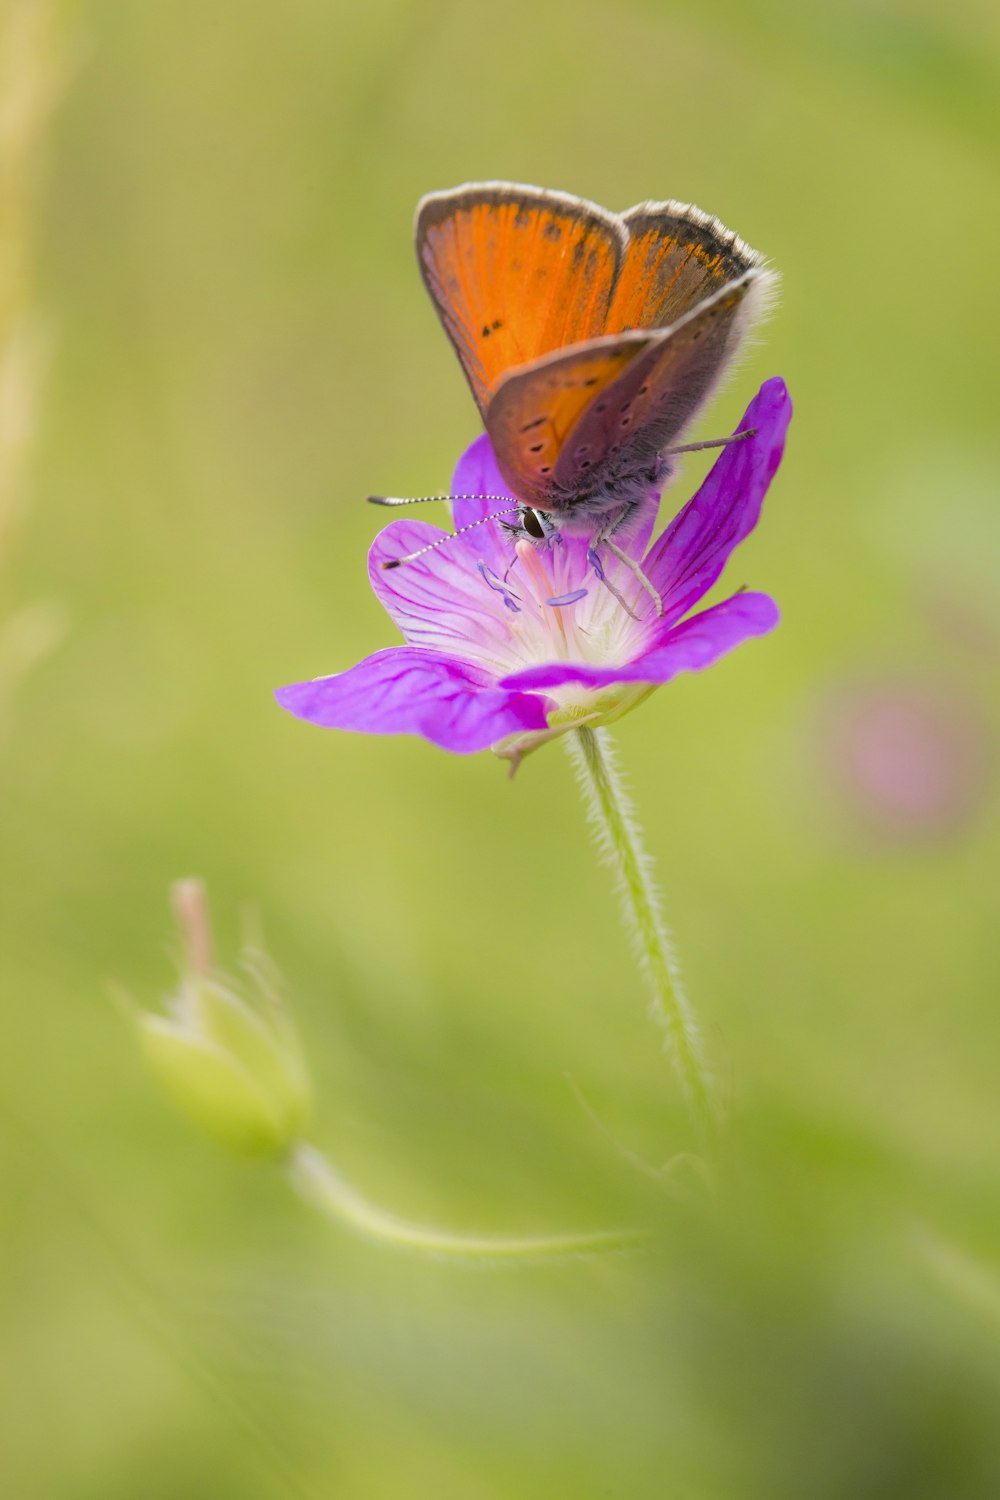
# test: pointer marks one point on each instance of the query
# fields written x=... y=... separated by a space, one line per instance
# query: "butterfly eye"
x=532 y=524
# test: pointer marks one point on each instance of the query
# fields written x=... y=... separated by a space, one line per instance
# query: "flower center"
x=558 y=608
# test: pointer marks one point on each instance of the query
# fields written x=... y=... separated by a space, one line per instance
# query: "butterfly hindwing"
x=515 y=273
x=538 y=407
x=659 y=392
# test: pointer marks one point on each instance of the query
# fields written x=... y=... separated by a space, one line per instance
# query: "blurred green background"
x=209 y=237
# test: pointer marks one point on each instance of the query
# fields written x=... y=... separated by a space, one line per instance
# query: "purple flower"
x=508 y=644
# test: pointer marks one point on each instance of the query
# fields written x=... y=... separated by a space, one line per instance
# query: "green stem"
x=317 y=1180
x=619 y=840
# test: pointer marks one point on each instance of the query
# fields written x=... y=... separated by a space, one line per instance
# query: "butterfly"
x=590 y=339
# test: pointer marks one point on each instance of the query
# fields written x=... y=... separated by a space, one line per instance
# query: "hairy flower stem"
x=317 y=1180
x=610 y=813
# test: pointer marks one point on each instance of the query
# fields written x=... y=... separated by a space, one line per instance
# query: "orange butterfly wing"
x=589 y=339
x=658 y=394
x=516 y=272
x=538 y=408
x=676 y=256
x=567 y=424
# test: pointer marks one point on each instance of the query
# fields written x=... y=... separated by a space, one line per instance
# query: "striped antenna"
x=449 y=536
x=423 y=499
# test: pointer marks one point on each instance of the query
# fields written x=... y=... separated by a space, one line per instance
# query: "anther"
x=493 y=582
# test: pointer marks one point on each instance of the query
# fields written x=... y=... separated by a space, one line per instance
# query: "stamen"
x=564 y=599
x=493 y=582
x=535 y=573
x=595 y=563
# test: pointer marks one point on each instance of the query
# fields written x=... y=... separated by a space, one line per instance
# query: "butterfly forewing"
x=676 y=257
x=515 y=273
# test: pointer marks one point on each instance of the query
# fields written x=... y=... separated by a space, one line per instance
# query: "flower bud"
x=228 y=1056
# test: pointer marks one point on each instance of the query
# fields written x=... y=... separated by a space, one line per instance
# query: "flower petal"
x=476 y=473
x=688 y=647
x=441 y=601
x=407 y=691
x=693 y=550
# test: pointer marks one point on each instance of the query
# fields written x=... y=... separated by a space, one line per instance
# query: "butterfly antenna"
x=449 y=536
x=423 y=499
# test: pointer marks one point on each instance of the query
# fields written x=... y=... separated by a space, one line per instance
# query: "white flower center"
x=556 y=608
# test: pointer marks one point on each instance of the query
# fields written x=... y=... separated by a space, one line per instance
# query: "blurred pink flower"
x=911 y=757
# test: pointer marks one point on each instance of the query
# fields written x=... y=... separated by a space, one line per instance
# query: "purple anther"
x=493 y=582
x=567 y=598
x=595 y=562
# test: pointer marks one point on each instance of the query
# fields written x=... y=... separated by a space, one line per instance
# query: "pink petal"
x=407 y=691
x=691 y=553
x=441 y=601
x=688 y=647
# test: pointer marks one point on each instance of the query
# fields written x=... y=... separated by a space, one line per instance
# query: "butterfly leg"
x=737 y=437
x=633 y=567
x=595 y=563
